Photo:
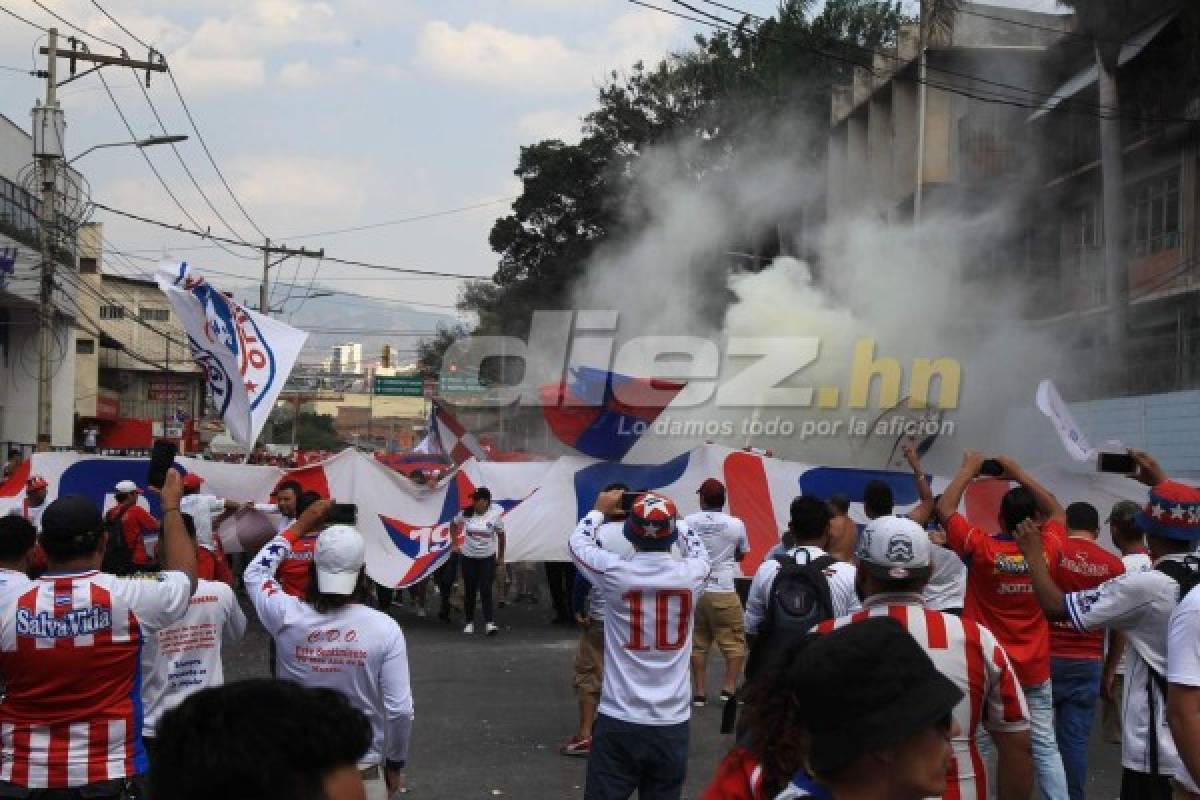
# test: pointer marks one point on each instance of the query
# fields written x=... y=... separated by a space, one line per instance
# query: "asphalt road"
x=491 y=712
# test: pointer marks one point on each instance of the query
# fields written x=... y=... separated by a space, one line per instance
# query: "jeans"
x=560 y=575
x=1076 y=684
x=1047 y=762
x=651 y=759
x=478 y=576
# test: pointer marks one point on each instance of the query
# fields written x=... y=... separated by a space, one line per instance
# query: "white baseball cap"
x=894 y=548
x=340 y=555
x=126 y=487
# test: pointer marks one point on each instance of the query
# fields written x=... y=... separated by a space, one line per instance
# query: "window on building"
x=88 y=266
x=1155 y=213
x=154 y=314
x=112 y=312
x=85 y=347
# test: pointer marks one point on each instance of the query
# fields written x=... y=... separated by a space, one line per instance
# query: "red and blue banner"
x=603 y=414
x=409 y=528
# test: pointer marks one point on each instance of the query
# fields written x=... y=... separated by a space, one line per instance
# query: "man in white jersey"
x=719 y=613
x=589 y=613
x=640 y=739
x=808 y=525
x=1131 y=543
x=336 y=641
x=895 y=561
x=185 y=657
x=17 y=538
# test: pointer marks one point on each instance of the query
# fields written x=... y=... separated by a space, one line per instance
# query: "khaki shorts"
x=589 y=663
x=719 y=619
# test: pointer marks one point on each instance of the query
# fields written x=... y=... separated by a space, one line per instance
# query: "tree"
x=714 y=96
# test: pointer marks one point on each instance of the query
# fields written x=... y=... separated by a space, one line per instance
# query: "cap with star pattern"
x=1172 y=512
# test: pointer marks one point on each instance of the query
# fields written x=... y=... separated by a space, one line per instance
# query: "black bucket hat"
x=871 y=686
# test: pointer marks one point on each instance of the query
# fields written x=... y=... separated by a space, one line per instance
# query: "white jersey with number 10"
x=650 y=599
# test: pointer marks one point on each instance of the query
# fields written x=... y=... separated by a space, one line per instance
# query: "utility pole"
x=284 y=252
x=48 y=128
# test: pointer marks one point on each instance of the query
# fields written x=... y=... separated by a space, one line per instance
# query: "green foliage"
x=713 y=97
x=314 y=432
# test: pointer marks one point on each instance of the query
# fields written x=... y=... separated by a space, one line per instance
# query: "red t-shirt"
x=293 y=573
x=1000 y=594
x=1082 y=564
x=136 y=523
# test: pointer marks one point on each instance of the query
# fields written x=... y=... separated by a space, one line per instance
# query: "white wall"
x=18 y=382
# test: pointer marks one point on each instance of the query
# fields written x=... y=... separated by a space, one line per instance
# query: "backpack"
x=799 y=599
x=118 y=559
x=1187 y=574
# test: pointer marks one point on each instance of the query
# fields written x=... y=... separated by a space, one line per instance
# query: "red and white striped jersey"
x=968 y=654
x=69 y=654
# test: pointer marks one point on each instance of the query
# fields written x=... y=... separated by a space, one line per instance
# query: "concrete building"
x=888 y=124
x=347 y=359
x=20 y=276
x=134 y=376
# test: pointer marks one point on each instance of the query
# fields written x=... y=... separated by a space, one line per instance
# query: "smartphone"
x=161 y=459
x=343 y=514
x=992 y=468
x=1120 y=463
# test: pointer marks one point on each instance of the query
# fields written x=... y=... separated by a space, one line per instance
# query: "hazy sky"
x=326 y=115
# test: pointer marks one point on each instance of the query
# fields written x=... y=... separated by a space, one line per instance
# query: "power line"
x=991 y=96
x=154 y=169
x=403 y=220
x=117 y=22
x=28 y=22
x=735 y=10
x=76 y=28
x=347 y=262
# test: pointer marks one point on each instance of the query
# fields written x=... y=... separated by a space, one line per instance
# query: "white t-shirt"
x=947 y=587
x=1139 y=605
x=12 y=584
x=650 y=602
x=1134 y=562
x=724 y=537
x=1183 y=659
x=355 y=649
x=202 y=507
x=610 y=536
x=481 y=531
x=185 y=657
x=839 y=574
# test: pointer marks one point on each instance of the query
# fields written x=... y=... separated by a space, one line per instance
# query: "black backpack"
x=118 y=559
x=1186 y=573
x=799 y=599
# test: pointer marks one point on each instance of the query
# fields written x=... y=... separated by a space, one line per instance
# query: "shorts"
x=589 y=663
x=719 y=618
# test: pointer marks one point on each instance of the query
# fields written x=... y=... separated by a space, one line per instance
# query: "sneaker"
x=699 y=701
x=470 y=628
x=490 y=629
x=576 y=747
x=727 y=695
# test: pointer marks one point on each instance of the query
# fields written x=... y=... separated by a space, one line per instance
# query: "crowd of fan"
x=920 y=656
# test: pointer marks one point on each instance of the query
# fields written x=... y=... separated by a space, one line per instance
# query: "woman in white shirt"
x=482 y=549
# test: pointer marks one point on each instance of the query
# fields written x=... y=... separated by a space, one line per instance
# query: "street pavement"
x=491 y=712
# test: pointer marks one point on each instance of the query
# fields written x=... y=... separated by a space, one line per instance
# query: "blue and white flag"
x=247 y=357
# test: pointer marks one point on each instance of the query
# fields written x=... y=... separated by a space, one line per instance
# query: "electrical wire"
x=154 y=169
x=18 y=69
x=187 y=170
x=78 y=29
x=117 y=22
x=345 y=261
x=28 y=22
x=403 y=220
x=982 y=95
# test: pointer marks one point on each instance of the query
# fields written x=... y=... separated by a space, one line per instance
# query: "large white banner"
x=247 y=356
x=409 y=528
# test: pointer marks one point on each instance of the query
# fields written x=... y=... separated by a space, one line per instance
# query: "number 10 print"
x=664 y=638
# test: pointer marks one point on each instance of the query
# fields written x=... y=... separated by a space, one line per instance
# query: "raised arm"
x=952 y=497
x=179 y=553
x=269 y=600
x=588 y=556
x=1049 y=596
x=1047 y=503
x=398 y=709
x=924 y=509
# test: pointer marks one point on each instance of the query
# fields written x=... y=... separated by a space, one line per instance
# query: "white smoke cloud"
x=914 y=290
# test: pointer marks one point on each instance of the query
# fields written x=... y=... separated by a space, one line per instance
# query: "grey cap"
x=1124 y=511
